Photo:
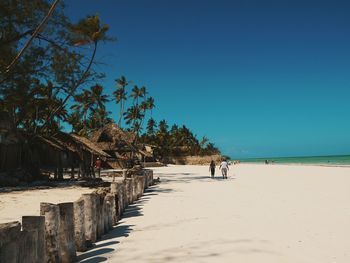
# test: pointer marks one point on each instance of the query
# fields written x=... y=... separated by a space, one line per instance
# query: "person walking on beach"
x=212 y=168
x=224 y=168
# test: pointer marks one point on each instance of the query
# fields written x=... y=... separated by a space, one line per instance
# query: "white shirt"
x=224 y=165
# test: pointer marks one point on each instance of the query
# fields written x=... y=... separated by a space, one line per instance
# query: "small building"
x=119 y=144
x=28 y=157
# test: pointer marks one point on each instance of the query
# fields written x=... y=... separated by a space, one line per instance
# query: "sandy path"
x=260 y=214
x=14 y=205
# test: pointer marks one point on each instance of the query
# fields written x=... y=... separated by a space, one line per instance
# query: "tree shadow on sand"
x=187 y=178
x=110 y=240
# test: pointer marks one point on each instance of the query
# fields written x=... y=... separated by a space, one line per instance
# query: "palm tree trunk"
x=121 y=114
x=71 y=93
x=35 y=33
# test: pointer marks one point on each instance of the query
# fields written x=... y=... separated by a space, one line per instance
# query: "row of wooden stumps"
x=63 y=229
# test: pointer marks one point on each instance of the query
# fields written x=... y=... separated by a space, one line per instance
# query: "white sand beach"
x=16 y=204
x=272 y=213
x=262 y=213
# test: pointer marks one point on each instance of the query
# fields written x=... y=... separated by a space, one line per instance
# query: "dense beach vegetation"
x=53 y=83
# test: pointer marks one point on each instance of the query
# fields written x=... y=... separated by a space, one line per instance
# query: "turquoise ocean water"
x=319 y=160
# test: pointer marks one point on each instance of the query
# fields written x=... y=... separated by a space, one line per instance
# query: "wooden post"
x=52 y=226
x=72 y=166
x=9 y=234
x=115 y=191
x=90 y=205
x=37 y=223
x=28 y=240
x=59 y=167
x=134 y=188
x=126 y=188
x=79 y=225
x=111 y=211
x=66 y=233
x=106 y=211
x=120 y=200
x=100 y=216
x=114 y=188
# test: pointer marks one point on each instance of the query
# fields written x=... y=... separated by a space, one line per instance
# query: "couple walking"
x=223 y=166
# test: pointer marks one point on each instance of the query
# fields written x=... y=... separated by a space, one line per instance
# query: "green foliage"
x=36 y=90
x=89 y=111
x=178 y=141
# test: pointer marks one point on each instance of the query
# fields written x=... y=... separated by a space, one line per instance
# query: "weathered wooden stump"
x=125 y=194
x=79 y=225
x=100 y=216
x=120 y=200
x=134 y=188
x=114 y=188
x=9 y=235
x=66 y=233
x=115 y=191
x=106 y=211
x=141 y=186
x=52 y=226
x=28 y=240
x=111 y=212
x=130 y=190
x=37 y=223
x=90 y=218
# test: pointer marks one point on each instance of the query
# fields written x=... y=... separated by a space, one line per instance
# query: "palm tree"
x=203 y=142
x=99 y=118
x=163 y=126
x=86 y=31
x=91 y=103
x=135 y=94
x=84 y=103
x=132 y=115
x=151 y=125
x=97 y=96
x=120 y=96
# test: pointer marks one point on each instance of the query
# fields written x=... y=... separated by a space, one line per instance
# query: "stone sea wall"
x=61 y=230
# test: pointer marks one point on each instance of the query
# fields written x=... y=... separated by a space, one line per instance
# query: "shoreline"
x=300 y=164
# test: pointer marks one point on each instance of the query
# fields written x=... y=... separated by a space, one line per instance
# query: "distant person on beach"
x=224 y=168
x=212 y=168
x=98 y=165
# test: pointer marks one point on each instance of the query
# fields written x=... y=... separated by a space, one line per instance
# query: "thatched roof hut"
x=77 y=144
x=120 y=145
x=111 y=138
x=31 y=154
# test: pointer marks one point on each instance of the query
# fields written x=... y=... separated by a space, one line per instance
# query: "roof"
x=74 y=143
x=113 y=134
x=89 y=145
x=51 y=143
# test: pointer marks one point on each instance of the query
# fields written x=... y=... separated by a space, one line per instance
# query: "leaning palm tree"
x=120 y=96
x=88 y=31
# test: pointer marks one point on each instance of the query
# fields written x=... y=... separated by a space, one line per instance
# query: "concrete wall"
x=63 y=229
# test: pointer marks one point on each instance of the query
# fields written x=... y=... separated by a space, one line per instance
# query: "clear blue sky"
x=259 y=78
